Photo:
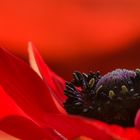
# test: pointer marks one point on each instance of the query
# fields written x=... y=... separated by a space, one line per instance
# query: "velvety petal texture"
x=25 y=129
x=25 y=87
x=8 y=106
x=21 y=128
x=71 y=127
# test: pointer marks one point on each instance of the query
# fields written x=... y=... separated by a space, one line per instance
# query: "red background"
x=74 y=34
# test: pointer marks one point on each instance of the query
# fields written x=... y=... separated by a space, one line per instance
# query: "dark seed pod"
x=113 y=98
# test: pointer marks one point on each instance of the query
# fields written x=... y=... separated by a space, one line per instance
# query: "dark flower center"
x=113 y=98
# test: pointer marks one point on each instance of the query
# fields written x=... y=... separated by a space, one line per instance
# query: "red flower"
x=31 y=107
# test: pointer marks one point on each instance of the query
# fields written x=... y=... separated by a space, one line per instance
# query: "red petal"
x=25 y=87
x=137 y=120
x=72 y=127
x=53 y=81
x=25 y=129
x=119 y=132
x=8 y=106
x=124 y=133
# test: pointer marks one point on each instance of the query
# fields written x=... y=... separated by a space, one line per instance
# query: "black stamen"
x=113 y=98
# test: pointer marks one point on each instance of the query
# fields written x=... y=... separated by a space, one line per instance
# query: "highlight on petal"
x=5 y=136
x=137 y=120
x=53 y=81
x=25 y=129
x=32 y=60
x=25 y=87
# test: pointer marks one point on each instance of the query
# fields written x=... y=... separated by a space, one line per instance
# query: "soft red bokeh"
x=74 y=34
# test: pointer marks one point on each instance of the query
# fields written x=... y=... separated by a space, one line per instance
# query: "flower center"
x=118 y=81
x=113 y=98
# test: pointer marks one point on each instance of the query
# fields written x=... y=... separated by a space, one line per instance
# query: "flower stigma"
x=113 y=98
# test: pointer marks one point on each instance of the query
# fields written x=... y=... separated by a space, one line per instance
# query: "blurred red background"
x=74 y=34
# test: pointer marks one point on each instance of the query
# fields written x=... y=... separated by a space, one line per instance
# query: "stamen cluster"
x=113 y=98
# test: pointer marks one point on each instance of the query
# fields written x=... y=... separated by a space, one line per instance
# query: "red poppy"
x=31 y=107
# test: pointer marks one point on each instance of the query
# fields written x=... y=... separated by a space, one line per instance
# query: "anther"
x=137 y=71
x=111 y=94
x=99 y=109
x=85 y=110
x=124 y=90
x=132 y=90
x=78 y=104
x=91 y=83
x=100 y=87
